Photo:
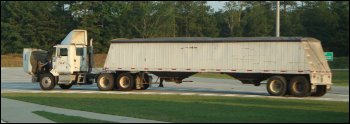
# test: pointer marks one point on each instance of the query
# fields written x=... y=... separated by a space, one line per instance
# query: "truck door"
x=80 y=59
x=62 y=65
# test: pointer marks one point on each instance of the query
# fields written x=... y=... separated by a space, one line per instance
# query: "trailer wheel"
x=47 y=81
x=147 y=83
x=125 y=82
x=65 y=86
x=105 y=82
x=320 y=90
x=299 y=86
x=144 y=83
x=277 y=86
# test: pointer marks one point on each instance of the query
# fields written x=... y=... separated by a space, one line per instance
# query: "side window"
x=63 y=51
x=80 y=51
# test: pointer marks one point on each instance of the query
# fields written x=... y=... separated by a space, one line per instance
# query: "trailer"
x=291 y=65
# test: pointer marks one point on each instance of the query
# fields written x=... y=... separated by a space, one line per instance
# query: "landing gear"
x=161 y=83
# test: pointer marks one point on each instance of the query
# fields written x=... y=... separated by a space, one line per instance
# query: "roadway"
x=15 y=80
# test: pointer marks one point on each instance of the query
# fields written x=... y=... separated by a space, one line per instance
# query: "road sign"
x=329 y=56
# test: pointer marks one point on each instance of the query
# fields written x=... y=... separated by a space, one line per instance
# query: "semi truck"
x=294 y=66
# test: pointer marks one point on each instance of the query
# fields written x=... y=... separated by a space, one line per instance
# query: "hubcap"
x=276 y=86
x=298 y=87
x=46 y=82
x=104 y=82
x=124 y=82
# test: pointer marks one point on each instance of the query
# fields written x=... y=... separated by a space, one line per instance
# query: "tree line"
x=42 y=24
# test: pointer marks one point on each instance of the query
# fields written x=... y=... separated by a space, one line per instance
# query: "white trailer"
x=291 y=65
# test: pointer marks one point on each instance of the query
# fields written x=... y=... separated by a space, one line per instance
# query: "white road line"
x=207 y=94
x=230 y=95
x=187 y=93
x=344 y=95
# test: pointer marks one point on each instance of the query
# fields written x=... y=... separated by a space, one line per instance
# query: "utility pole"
x=278 y=19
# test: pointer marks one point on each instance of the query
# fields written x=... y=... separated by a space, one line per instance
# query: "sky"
x=216 y=5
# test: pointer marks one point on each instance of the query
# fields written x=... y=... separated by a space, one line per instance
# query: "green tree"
x=320 y=22
x=233 y=17
x=259 y=20
x=340 y=42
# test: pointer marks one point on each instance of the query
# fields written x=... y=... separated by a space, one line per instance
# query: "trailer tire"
x=320 y=90
x=65 y=86
x=299 y=86
x=145 y=82
x=125 y=82
x=145 y=86
x=277 y=86
x=105 y=82
x=47 y=81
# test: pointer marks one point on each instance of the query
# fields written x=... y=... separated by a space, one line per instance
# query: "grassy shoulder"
x=177 y=108
x=340 y=77
x=61 y=118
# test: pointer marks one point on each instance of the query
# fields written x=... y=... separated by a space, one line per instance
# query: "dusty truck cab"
x=71 y=62
x=71 y=55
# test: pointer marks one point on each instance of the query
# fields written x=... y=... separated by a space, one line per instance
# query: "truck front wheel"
x=125 y=82
x=105 y=82
x=47 y=81
x=299 y=86
x=277 y=86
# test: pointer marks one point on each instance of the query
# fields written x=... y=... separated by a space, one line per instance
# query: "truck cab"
x=71 y=62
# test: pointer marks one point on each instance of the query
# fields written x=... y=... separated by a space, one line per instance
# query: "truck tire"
x=47 y=81
x=277 y=86
x=65 y=86
x=320 y=90
x=105 y=82
x=145 y=83
x=125 y=82
x=145 y=86
x=299 y=86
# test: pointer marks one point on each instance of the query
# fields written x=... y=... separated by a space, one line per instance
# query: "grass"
x=340 y=77
x=11 y=60
x=339 y=63
x=177 y=108
x=61 y=118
